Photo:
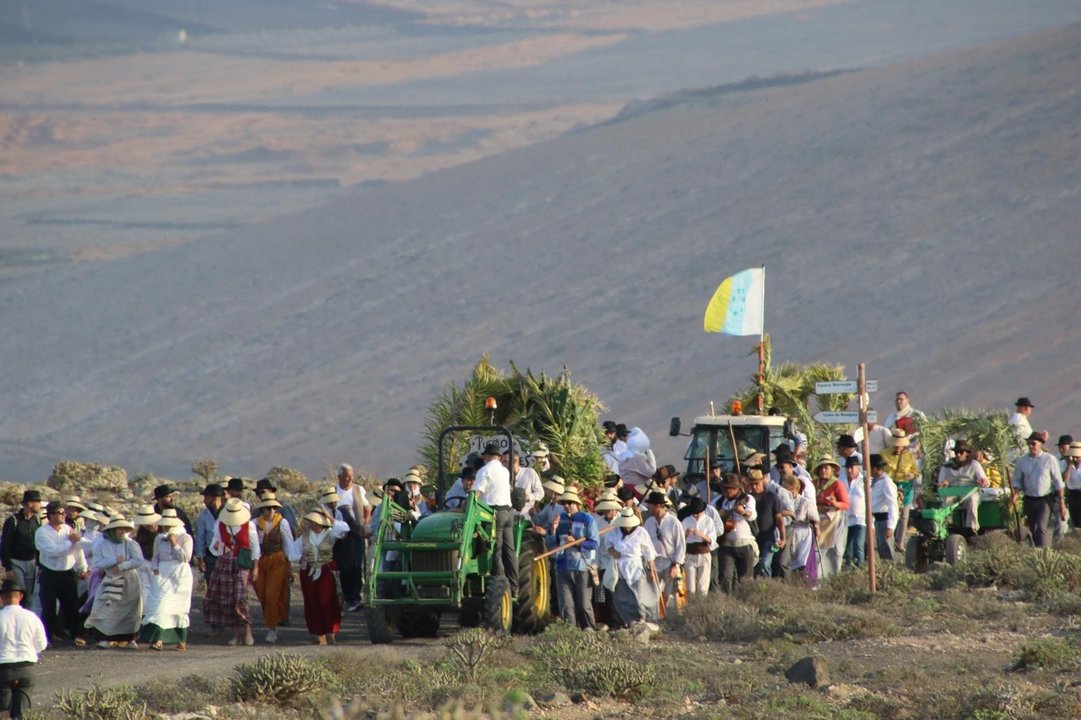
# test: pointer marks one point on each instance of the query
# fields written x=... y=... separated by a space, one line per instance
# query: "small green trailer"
x=940 y=526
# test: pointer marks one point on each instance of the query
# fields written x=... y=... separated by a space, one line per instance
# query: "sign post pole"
x=862 y=389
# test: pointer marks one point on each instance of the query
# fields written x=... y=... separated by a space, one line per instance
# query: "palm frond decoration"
x=535 y=406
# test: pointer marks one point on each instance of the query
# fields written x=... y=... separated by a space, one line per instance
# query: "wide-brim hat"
x=169 y=518
x=234 y=514
x=877 y=461
x=606 y=505
x=958 y=446
x=570 y=496
x=696 y=505
x=145 y=515
x=269 y=500
x=628 y=518
x=555 y=484
x=214 y=490
x=847 y=441
x=853 y=461
x=732 y=481
x=1023 y=402
x=412 y=477
x=1065 y=439
x=236 y=484
x=1036 y=437
x=91 y=515
x=74 y=502
x=31 y=496
x=607 y=494
x=119 y=523
x=319 y=518
x=828 y=461
x=899 y=438
x=11 y=585
x=329 y=496
x=265 y=484
x=1075 y=450
x=657 y=498
x=162 y=491
x=541 y=451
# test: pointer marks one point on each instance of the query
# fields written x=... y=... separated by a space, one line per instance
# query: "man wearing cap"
x=572 y=564
x=165 y=497
x=669 y=542
x=287 y=511
x=22 y=639
x=1036 y=475
x=901 y=466
x=856 y=540
x=17 y=549
x=883 y=507
x=529 y=481
x=493 y=487
x=964 y=471
x=738 y=551
x=61 y=559
x=1019 y=421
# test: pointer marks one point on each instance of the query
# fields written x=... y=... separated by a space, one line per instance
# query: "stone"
x=553 y=699
x=519 y=699
x=811 y=671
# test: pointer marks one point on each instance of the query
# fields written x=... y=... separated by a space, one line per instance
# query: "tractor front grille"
x=434 y=560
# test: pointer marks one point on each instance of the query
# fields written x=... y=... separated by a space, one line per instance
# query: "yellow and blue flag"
x=739 y=305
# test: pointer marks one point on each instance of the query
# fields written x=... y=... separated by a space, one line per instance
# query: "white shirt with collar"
x=884 y=499
x=493 y=484
x=669 y=540
x=22 y=635
x=740 y=534
x=528 y=479
x=857 y=508
x=55 y=551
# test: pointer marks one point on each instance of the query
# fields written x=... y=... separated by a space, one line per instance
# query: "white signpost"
x=844 y=417
x=477 y=443
x=840 y=387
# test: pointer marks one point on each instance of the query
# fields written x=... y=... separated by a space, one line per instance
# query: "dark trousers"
x=1073 y=505
x=1037 y=513
x=60 y=586
x=16 y=679
x=505 y=559
x=575 y=604
x=737 y=564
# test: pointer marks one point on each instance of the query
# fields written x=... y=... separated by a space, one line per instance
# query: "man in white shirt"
x=1019 y=421
x=353 y=501
x=739 y=550
x=1037 y=476
x=529 y=481
x=856 y=542
x=669 y=541
x=61 y=559
x=964 y=471
x=884 y=506
x=22 y=638
x=878 y=436
x=493 y=487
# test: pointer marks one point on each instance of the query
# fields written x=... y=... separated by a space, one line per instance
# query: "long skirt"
x=799 y=538
x=118 y=607
x=322 y=608
x=833 y=534
x=169 y=605
x=272 y=588
x=93 y=582
x=226 y=601
x=632 y=603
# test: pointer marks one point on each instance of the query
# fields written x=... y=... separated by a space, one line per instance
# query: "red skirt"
x=226 y=602
x=322 y=609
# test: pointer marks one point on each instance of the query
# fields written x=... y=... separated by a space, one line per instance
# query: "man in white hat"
x=547 y=518
x=493 y=487
x=572 y=564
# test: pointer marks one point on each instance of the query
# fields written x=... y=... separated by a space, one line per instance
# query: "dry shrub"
x=102 y=703
x=611 y=677
x=278 y=678
x=70 y=476
x=1040 y=574
x=1046 y=653
x=289 y=479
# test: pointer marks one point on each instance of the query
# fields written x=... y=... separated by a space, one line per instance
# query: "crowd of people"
x=624 y=554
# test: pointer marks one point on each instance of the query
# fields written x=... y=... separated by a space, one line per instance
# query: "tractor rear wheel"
x=418 y=623
x=380 y=625
x=915 y=555
x=498 y=605
x=533 y=605
x=956 y=549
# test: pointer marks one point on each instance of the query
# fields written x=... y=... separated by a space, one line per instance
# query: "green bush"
x=189 y=694
x=614 y=677
x=1046 y=653
x=278 y=678
x=564 y=644
x=469 y=649
x=1040 y=574
x=102 y=703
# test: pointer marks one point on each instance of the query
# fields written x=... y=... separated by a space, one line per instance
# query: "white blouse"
x=165 y=552
x=124 y=555
x=634 y=549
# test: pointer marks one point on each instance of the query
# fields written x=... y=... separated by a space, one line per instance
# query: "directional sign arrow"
x=845 y=417
x=838 y=387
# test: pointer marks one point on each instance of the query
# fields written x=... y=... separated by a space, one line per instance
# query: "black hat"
x=11 y=586
x=732 y=481
x=625 y=493
x=1065 y=439
x=959 y=446
x=782 y=449
x=468 y=472
x=1024 y=402
x=1035 y=436
x=877 y=461
x=214 y=490
x=54 y=507
x=609 y=426
x=393 y=483
x=491 y=449
x=611 y=480
x=656 y=498
x=696 y=505
x=621 y=429
x=265 y=484
x=164 y=491
x=852 y=461
x=672 y=472
x=786 y=458
x=31 y=496
x=846 y=441
x=236 y=484
x=716 y=463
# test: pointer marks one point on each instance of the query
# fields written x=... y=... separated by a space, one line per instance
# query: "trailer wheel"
x=915 y=555
x=380 y=625
x=498 y=605
x=533 y=606
x=956 y=549
x=418 y=623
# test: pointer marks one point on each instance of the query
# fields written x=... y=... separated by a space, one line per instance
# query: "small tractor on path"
x=421 y=569
x=940 y=525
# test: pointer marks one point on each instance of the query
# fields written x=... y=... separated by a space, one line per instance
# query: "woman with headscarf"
x=146 y=533
x=314 y=550
x=169 y=604
x=272 y=584
x=637 y=591
x=803 y=515
x=118 y=604
x=236 y=546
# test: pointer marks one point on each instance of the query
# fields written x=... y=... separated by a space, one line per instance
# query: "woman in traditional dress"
x=832 y=500
x=272 y=585
x=803 y=514
x=118 y=604
x=92 y=524
x=314 y=550
x=636 y=592
x=236 y=546
x=146 y=534
x=169 y=605
x=605 y=512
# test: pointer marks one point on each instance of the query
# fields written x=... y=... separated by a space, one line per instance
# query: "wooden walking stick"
x=735 y=451
x=571 y=544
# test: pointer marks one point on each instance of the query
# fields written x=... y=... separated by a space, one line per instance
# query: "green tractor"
x=422 y=569
x=940 y=525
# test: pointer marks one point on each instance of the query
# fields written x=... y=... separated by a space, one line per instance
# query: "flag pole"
x=761 y=344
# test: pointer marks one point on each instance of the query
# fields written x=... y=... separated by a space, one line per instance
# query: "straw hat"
x=627 y=519
x=1075 y=450
x=329 y=495
x=899 y=438
x=541 y=451
x=118 y=522
x=555 y=485
x=74 y=502
x=608 y=494
x=96 y=507
x=91 y=515
x=606 y=505
x=319 y=518
x=234 y=514
x=269 y=500
x=828 y=461
x=412 y=477
x=169 y=518
x=146 y=516
x=570 y=496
